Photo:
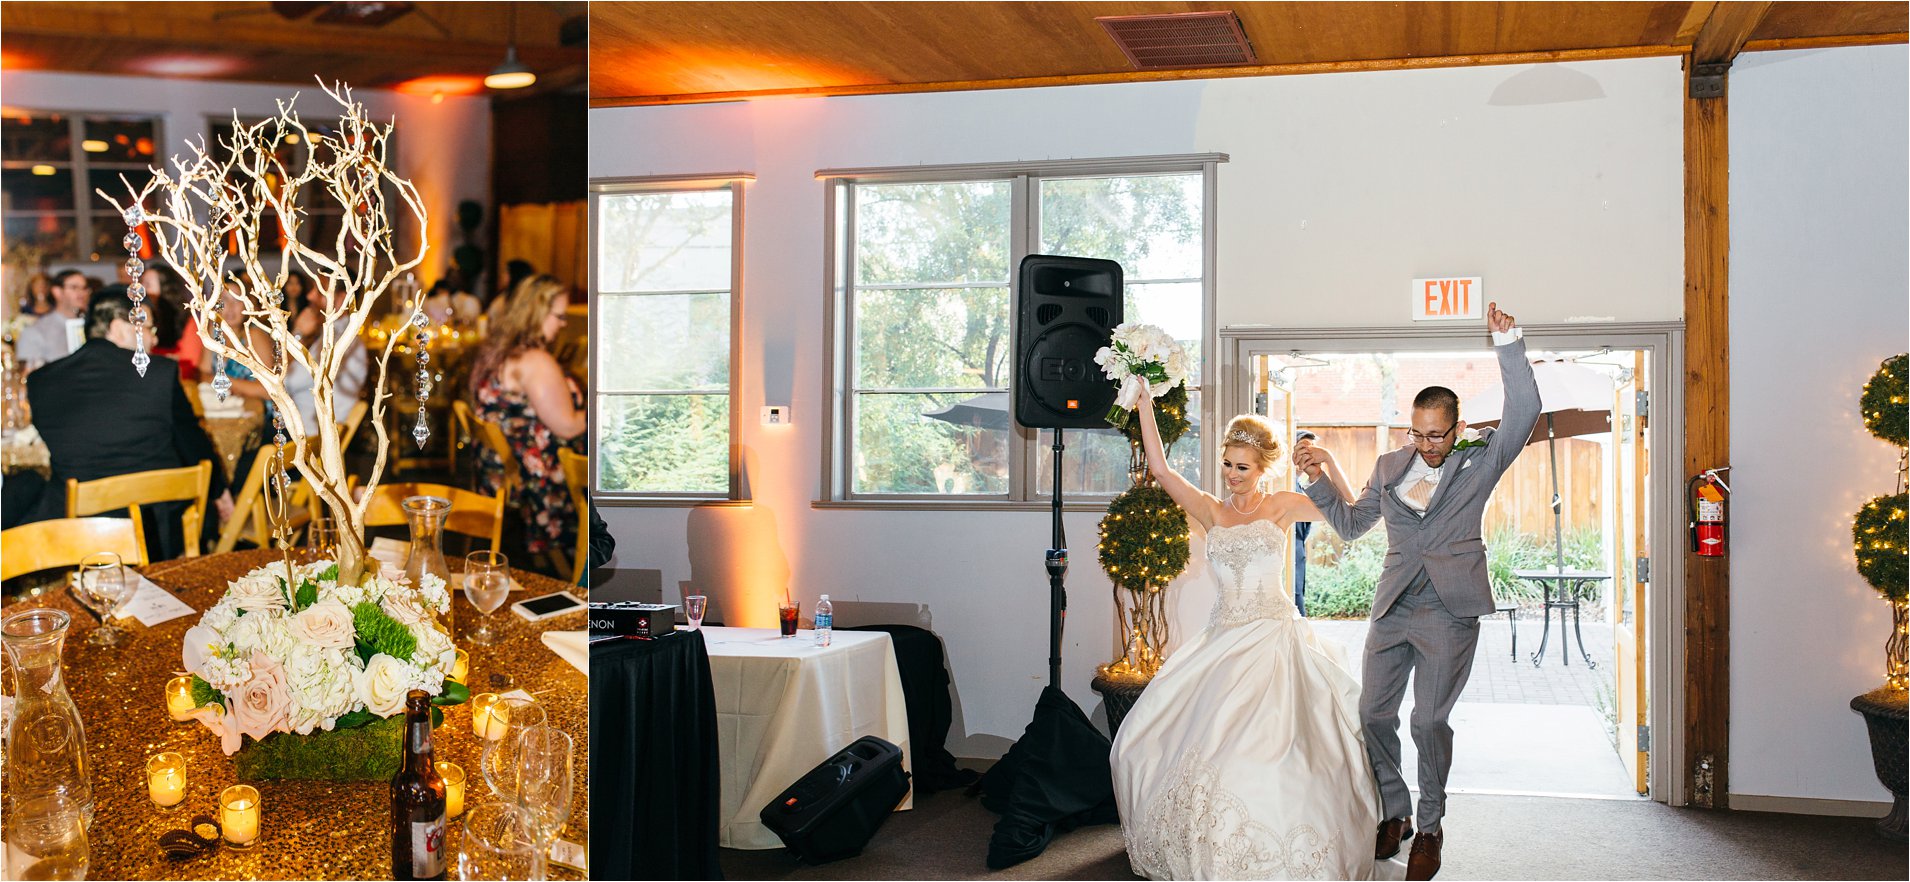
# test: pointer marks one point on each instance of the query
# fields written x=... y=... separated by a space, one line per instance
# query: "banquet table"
x=310 y=829
x=783 y=705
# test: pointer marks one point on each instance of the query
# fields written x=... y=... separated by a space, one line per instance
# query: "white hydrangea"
x=349 y=595
x=323 y=685
x=226 y=672
x=270 y=633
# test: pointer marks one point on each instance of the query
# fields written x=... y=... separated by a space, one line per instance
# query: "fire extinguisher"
x=1708 y=496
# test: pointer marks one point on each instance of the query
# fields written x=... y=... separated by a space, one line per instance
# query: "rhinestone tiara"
x=1241 y=436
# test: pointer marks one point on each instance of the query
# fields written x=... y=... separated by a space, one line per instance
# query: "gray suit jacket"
x=1446 y=541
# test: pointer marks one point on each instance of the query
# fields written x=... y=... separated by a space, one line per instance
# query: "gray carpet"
x=1488 y=837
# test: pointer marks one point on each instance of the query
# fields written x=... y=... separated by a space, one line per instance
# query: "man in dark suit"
x=100 y=418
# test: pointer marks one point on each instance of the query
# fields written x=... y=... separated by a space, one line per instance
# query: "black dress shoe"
x=1391 y=834
x=1424 y=863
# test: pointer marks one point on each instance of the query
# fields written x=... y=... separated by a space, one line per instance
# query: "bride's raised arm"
x=1196 y=502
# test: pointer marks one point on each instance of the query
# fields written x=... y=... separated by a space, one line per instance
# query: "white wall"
x=1819 y=276
x=443 y=148
x=1569 y=208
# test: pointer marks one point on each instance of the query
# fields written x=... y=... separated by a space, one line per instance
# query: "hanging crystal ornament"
x=135 y=216
x=221 y=384
x=422 y=431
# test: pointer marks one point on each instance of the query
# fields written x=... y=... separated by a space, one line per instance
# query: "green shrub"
x=1341 y=576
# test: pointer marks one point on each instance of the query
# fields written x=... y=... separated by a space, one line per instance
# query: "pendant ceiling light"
x=512 y=74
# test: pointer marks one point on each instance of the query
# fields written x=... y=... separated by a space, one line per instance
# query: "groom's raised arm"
x=1522 y=406
x=1352 y=520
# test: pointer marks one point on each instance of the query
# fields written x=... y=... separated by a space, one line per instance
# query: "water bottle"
x=825 y=620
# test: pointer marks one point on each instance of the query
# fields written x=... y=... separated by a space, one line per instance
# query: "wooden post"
x=1707 y=410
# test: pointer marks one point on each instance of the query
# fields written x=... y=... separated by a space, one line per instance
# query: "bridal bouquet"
x=309 y=654
x=1141 y=352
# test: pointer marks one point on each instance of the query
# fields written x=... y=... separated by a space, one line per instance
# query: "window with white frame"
x=663 y=308
x=924 y=318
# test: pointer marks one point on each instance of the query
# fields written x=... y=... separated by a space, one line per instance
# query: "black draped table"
x=654 y=773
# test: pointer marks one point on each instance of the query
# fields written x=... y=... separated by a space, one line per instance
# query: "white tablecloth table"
x=785 y=705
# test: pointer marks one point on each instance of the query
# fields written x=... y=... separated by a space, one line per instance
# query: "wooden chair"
x=187 y=484
x=462 y=434
x=492 y=436
x=348 y=429
x=577 y=477
x=43 y=545
x=472 y=514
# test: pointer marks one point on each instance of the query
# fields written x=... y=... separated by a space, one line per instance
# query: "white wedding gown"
x=1243 y=759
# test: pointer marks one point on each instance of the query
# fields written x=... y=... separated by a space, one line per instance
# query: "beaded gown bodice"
x=1247 y=560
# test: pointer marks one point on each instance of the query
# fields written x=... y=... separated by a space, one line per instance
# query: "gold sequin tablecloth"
x=311 y=829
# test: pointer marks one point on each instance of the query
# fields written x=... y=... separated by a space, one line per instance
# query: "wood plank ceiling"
x=446 y=47
x=667 y=53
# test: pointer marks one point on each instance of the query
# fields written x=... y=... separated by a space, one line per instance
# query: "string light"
x=1880 y=533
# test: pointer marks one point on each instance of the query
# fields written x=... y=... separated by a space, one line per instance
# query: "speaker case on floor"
x=835 y=809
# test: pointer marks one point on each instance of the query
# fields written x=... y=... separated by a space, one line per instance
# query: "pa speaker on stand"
x=1067 y=309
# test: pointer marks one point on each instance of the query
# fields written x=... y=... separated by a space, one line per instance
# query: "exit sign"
x=1436 y=300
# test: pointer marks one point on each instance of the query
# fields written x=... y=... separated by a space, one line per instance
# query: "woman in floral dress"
x=517 y=384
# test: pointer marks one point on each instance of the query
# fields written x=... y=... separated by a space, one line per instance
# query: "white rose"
x=256 y=593
x=383 y=684
x=327 y=624
x=404 y=606
x=434 y=649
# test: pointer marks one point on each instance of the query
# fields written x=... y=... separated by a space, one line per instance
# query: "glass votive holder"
x=166 y=779
x=179 y=704
x=453 y=775
x=239 y=812
x=489 y=718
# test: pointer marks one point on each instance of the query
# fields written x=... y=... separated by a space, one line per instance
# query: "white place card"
x=152 y=604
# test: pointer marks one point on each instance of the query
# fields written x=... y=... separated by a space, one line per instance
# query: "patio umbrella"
x=1574 y=400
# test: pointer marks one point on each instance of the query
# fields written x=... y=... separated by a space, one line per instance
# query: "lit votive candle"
x=489 y=717
x=166 y=779
x=239 y=815
x=179 y=698
x=461 y=667
x=453 y=775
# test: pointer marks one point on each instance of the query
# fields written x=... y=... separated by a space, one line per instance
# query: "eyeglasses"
x=1434 y=437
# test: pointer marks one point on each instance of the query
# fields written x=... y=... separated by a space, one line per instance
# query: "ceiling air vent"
x=1180 y=40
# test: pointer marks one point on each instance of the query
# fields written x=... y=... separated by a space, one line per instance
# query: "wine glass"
x=544 y=788
x=500 y=758
x=487 y=583
x=47 y=836
x=103 y=587
x=321 y=539
x=497 y=843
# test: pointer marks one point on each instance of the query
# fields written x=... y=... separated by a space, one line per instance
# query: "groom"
x=1434 y=586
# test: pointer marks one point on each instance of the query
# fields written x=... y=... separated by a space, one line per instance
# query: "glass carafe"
x=426 y=516
x=46 y=744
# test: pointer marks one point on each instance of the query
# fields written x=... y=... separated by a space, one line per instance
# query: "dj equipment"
x=628 y=619
x=1066 y=310
x=834 y=810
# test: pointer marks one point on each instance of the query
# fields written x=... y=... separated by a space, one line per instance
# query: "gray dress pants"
x=1416 y=635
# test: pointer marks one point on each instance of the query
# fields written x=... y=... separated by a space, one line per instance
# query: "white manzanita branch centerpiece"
x=207 y=212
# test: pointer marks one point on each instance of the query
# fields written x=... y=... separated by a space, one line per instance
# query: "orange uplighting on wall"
x=15 y=61
x=448 y=84
x=726 y=69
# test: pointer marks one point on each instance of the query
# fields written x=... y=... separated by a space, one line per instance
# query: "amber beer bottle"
x=417 y=800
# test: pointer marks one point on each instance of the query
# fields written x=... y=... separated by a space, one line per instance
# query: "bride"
x=1243 y=759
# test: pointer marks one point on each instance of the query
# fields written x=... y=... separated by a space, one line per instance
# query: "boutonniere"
x=1469 y=438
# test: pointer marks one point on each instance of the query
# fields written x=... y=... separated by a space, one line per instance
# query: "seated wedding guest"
x=517 y=384
x=38 y=298
x=47 y=338
x=347 y=388
x=100 y=418
x=175 y=332
x=298 y=292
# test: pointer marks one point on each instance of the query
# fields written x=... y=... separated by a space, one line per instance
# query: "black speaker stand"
x=1057 y=562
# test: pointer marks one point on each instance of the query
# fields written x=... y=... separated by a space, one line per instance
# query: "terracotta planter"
x=1884 y=714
